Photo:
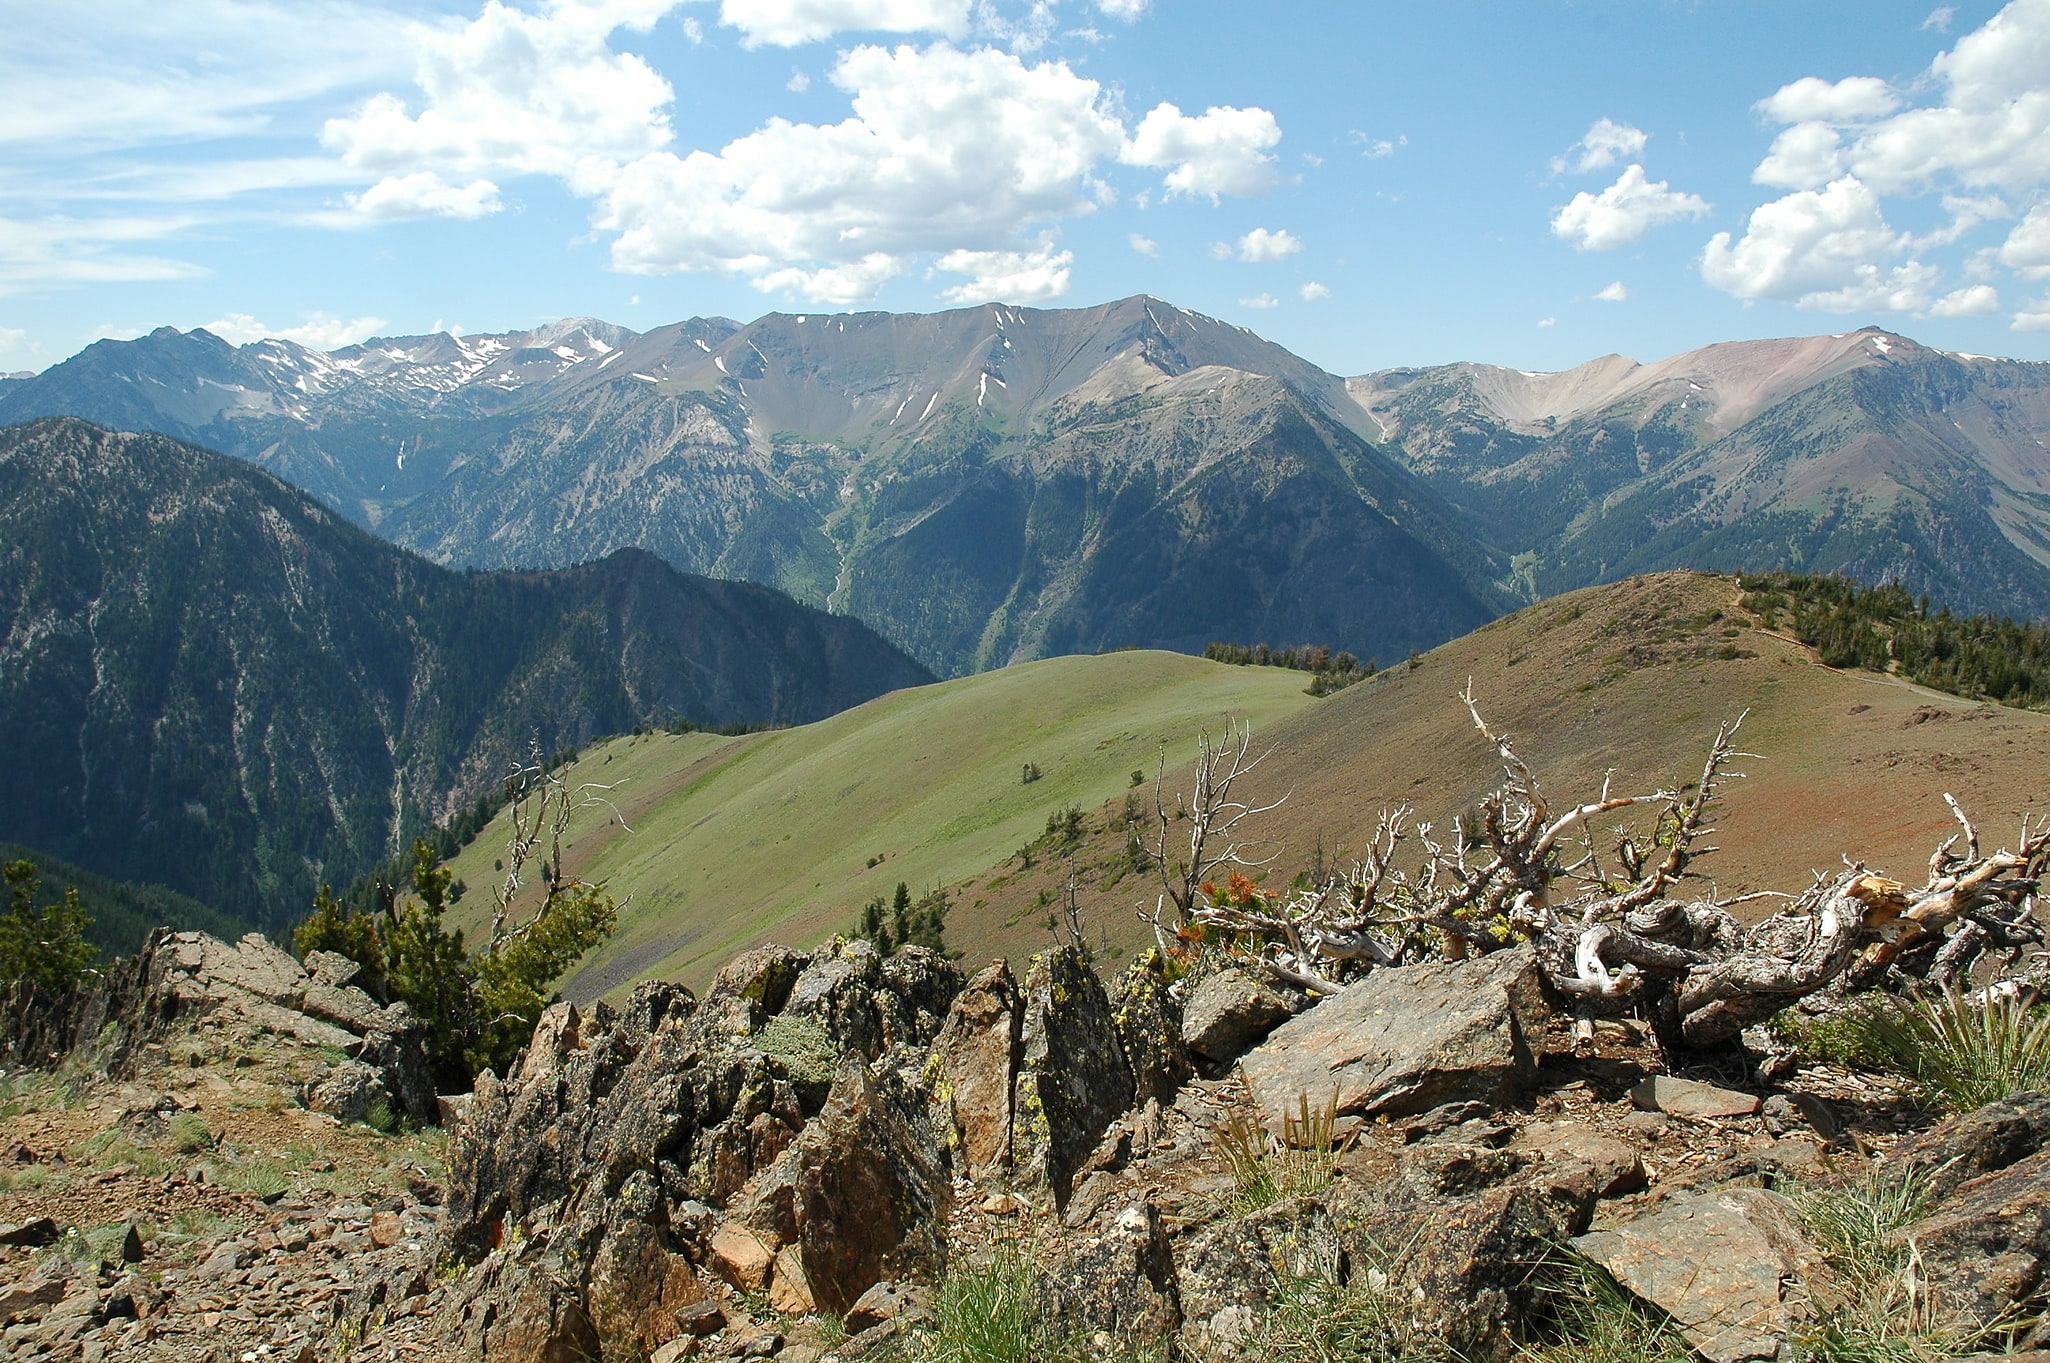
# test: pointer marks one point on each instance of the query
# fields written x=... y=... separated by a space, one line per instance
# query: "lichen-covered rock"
x=1232 y=1266
x=1731 y=1268
x=637 y=1286
x=1230 y=1011
x=1121 y=1283
x=839 y=990
x=1073 y=1079
x=920 y=986
x=1994 y=1137
x=973 y=1068
x=1149 y=1023
x=1408 y=1040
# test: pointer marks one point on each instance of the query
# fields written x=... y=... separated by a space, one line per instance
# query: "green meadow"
x=715 y=844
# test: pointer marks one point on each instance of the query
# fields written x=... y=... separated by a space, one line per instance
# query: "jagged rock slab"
x=1985 y=1251
x=1729 y=1268
x=1691 y=1098
x=1407 y=1040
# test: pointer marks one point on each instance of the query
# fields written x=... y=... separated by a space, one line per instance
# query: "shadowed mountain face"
x=984 y=486
x=1863 y=453
x=210 y=681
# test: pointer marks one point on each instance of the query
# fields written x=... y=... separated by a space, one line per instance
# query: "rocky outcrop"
x=763 y=1136
x=179 y=977
x=1073 y=1079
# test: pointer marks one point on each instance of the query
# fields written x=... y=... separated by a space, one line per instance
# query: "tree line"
x=1328 y=671
x=1886 y=628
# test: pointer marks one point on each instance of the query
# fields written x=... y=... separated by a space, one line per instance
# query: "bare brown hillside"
x=1631 y=679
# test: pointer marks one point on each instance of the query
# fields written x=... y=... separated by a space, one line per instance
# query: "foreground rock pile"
x=790 y=1166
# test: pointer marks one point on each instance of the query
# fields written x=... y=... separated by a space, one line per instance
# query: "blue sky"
x=1532 y=183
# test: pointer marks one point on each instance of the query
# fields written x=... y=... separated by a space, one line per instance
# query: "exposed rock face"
x=1730 y=1267
x=974 y=1065
x=1986 y=1250
x=180 y=976
x=1073 y=1079
x=1408 y=1040
x=1149 y=1023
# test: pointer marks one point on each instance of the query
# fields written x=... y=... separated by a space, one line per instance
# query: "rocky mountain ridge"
x=1862 y=452
x=985 y=485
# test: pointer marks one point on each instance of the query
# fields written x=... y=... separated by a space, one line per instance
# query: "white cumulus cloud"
x=514 y=92
x=843 y=285
x=787 y=23
x=1313 y=292
x=1261 y=245
x=1143 y=244
x=2027 y=248
x=1614 y=292
x=1992 y=126
x=1811 y=99
x=1823 y=248
x=1221 y=151
x=1260 y=301
x=1974 y=300
x=1623 y=212
x=1008 y=276
x=1127 y=10
x=1606 y=143
x=424 y=194
x=1805 y=156
x=1545 y=323
x=2033 y=315
x=946 y=151
x=320 y=330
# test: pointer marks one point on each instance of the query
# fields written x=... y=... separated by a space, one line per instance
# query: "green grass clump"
x=1265 y=1171
x=1963 y=1055
x=1886 y=1315
x=1593 y=1319
x=188 y=1133
x=988 y=1312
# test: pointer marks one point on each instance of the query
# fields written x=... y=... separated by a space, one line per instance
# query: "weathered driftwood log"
x=1610 y=935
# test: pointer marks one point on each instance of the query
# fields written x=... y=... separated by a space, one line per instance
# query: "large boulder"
x=1229 y=1012
x=1992 y=1138
x=1406 y=1041
x=1073 y=1078
x=864 y=1193
x=1730 y=1267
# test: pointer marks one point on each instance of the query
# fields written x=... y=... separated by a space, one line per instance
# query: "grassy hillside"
x=783 y=836
x=768 y=837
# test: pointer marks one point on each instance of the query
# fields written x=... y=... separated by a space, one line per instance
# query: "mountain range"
x=995 y=484
x=210 y=681
x=983 y=486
